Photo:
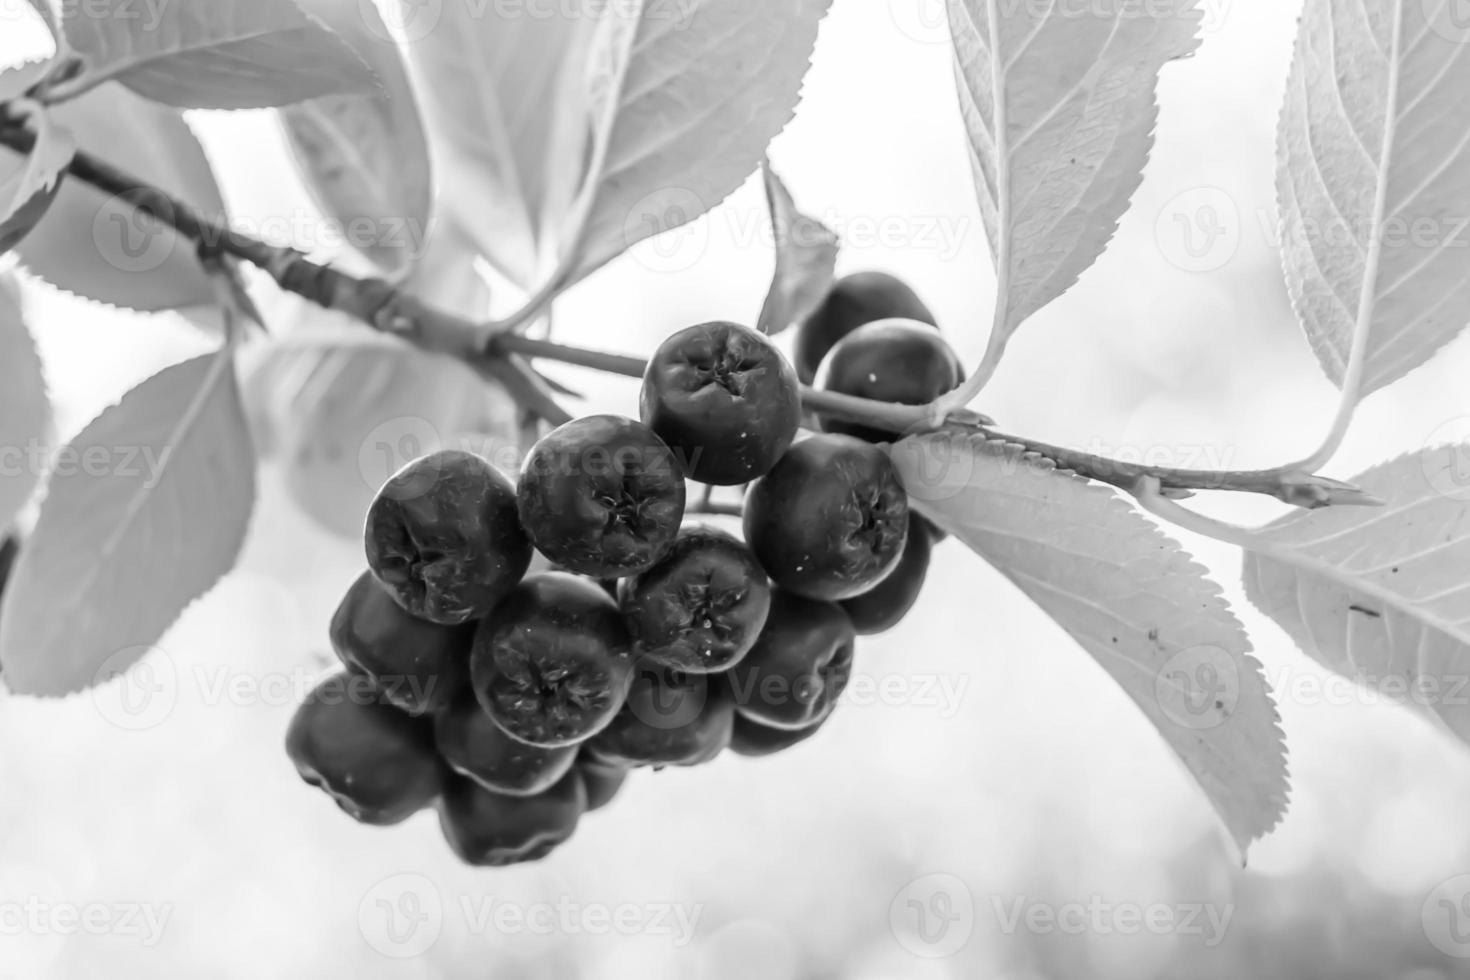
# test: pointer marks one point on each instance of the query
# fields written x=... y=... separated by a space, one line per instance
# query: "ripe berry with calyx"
x=602 y=496
x=443 y=537
x=897 y=361
x=724 y=399
x=886 y=604
x=702 y=607
x=860 y=298
x=475 y=747
x=800 y=665
x=831 y=520
x=553 y=665
x=376 y=762
x=493 y=830
x=671 y=718
x=418 y=665
x=754 y=740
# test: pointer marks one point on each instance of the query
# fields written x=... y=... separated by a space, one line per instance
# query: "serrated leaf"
x=502 y=99
x=1130 y=596
x=1060 y=111
x=25 y=410
x=365 y=156
x=346 y=408
x=100 y=248
x=685 y=104
x=1379 y=594
x=17 y=80
x=27 y=190
x=1373 y=180
x=144 y=511
x=211 y=54
x=806 y=260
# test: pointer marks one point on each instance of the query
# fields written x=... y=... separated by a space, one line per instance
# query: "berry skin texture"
x=442 y=535
x=756 y=741
x=860 y=298
x=887 y=603
x=493 y=830
x=725 y=399
x=800 y=665
x=601 y=781
x=897 y=361
x=417 y=665
x=671 y=719
x=831 y=520
x=602 y=496
x=376 y=762
x=553 y=665
x=702 y=607
x=475 y=747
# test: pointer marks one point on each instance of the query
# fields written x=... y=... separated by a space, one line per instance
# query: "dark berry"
x=418 y=665
x=701 y=608
x=724 y=399
x=671 y=718
x=492 y=830
x=896 y=361
x=602 y=496
x=754 y=740
x=830 y=521
x=475 y=747
x=443 y=537
x=601 y=780
x=860 y=298
x=376 y=762
x=553 y=665
x=800 y=665
x=886 y=604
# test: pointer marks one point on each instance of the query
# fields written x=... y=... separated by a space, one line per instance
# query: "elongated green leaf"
x=1130 y=596
x=103 y=249
x=365 y=156
x=144 y=511
x=806 y=260
x=1381 y=594
x=685 y=103
x=25 y=409
x=28 y=190
x=1060 y=109
x=1373 y=181
x=211 y=54
x=503 y=99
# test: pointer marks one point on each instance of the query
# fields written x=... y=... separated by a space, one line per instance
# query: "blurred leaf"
x=346 y=408
x=101 y=248
x=211 y=54
x=144 y=511
x=684 y=102
x=806 y=260
x=1060 y=111
x=28 y=190
x=1380 y=594
x=1372 y=182
x=501 y=98
x=365 y=157
x=1130 y=596
x=25 y=410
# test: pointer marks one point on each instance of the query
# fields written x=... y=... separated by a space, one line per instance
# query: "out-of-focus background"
x=1000 y=810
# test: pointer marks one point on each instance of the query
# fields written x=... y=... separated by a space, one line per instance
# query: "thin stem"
x=1150 y=497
